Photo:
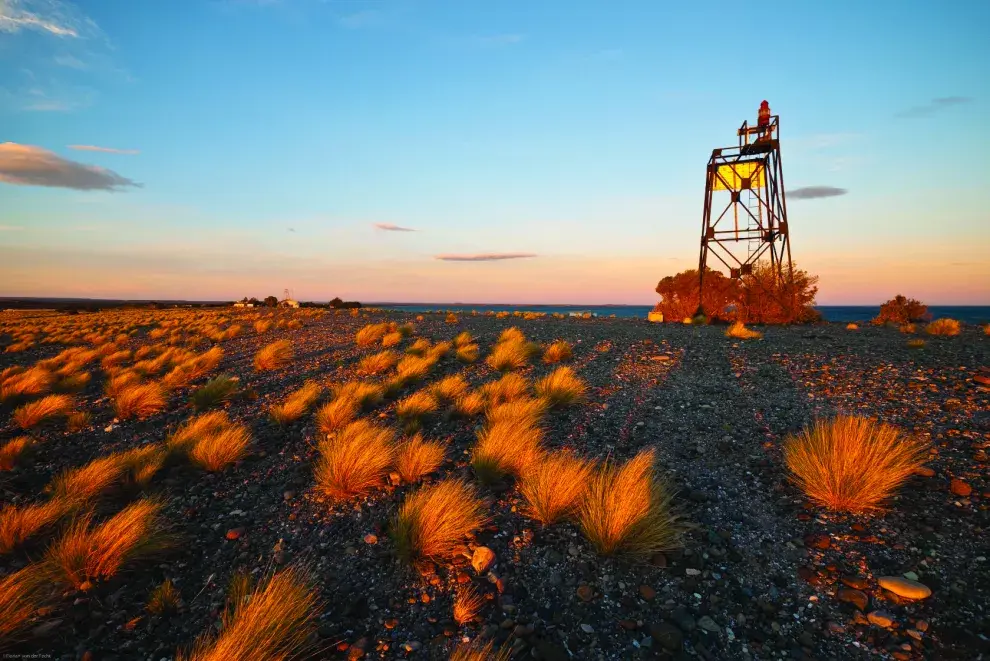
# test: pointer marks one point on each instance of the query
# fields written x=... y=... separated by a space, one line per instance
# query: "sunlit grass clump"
x=467 y=353
x=626 y=510
x=23 y=593
x=88 y=552
x=481 y=650
x=558 y=352
x=214 y=392
x=273 y=356
x=275 y=621
x=944 y=327
x=561 y=388
x=469 y=405
x=164 y=599
x=18 y=524
x=467 y=604
x=377 y=363
x=34 y=413
x=370 y=334
x=508 y=445
x=554 y=486
x=434 y=520
x=416 y=458
x=364 y=393
x=355 y=460
x=852 y=464
x=507 y=356
x=139 y=400
x=25 y=383
x=297 y=404
x=336 y=414
x=916 y=343
x=739 y=331
x=450 y=389
x=416 y=406
x=210 y=440
x=12 y=452
x=506 y=389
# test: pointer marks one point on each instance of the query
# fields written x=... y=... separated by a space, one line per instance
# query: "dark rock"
x=667 y=635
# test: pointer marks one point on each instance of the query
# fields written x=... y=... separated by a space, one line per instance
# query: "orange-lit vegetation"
x=193 y=368
x=739 y=331
x=88 y=552
x=508 y=355
x=34 y=413
x=480 y=650
x=554 y=486
x=354 y=460
x=916 y=343
x=463 y=339
x=413 y=368
x=416 y=406
x=507 y=445
x=944 y=327
x=558 y=352
x=164 y=599
x=333 y=415
x=210 y=440
x=12 y=451
x=274 y=356
x=416 y=458
x=274 y=622
x=365 y=394
x=852 y=464
x=434 y=520
x=471 y=404
x=391 y=339
x=467 y=604
x=468 y=353
x=450 y=389
x=506 y=389
x=25 y=383
x=419 y=347
x=371 y=334
x=262 y=326
x=20 y=523
x=377 y=363
x=452 y=318
x=561 y=388
x=22 y=594
x=901 y=310
x=297 y=404
x=139 y=400
x=80 y=485
x=627 y=510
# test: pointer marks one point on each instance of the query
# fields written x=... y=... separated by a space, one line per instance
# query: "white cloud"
x=106 y=150
x=27 y=165
x=53 y=17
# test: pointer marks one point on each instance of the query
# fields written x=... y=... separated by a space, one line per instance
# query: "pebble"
x=646 y=592
x=371 y=538
x=585 y=593
x=587 y=628
x=691 y=571
x=289 y=495
x=857 y=598
x=960 y=488
x=881 y=619
x=235 y=533
x=904 y=587
x=482 y=559
x=709 y=625
x=669 y=636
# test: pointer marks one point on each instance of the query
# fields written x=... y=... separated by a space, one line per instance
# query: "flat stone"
x=482 y=559
x=881 y=619
x=857 y=598
x=585 y=593
x=235 y=533
x=960 y=488
x=924 y=471
x=669 y=636
x=646 y=592
x=905 y=587
x=708 y=624
x=587 y=628
x=855 y=582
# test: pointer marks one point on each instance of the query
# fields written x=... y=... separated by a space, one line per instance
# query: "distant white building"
x=242 y=304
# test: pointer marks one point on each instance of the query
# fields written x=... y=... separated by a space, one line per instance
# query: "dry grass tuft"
x=916 y=343
x=413 y=368
x=78 y=486
x=391 y=339
x=467 y=604
x=558 y=352
x=852 y=464
x=73 y=383
x=507 y=356
x=479 y=650
x=18 y=524
x=22 y=594
x=365 y=394
x=739 y=331
x=164 y=599
x=196 y=428
x=406 y=330
x=986 y=330
x=213 y=452
x=193 y=368
x=139 y=400
x=28 y=383
x=508 y=445
x=419 y=347
x=273 y=356
x=12 y=451
x=78 y=421
x=944 y=327
x=377 y=363
x=119 y=381
x=262 y=326
x=525 y=410
x=416 y=406
x=275 y=623
x=334 y=415
x=463 y=339
x=370 y=334
x=561 y=388
x=214 y=392
x=469 y=405
x=450 y=389
x=555 y=485
x=468 y=353
x=297 y=404
x=507 y=389
x=452 y=318
x=852 y=326
x=439 y=350
x=627 y=510
x=909 y=329
x=511 y=334
x=354 y=460
x=416 y=458
x=434 y=520
x=86 y=553
x=34 y=413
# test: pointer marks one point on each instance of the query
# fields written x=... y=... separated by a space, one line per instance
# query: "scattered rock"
x=904 y=587
x=482 y=559
x=587 y=628
x=960 y=488
x=857 y=598
x=881 y=619
x=669 y=636
x=709 y=625
x=585 y=593
x=235 y=533
x=646 y=592
x=371 y=538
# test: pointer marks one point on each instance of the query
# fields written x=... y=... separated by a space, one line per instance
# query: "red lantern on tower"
x=763 y=118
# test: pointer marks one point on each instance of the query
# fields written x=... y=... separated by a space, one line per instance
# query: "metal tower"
x=749 y=180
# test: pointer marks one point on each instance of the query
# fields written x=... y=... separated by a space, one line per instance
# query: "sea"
x=968 y=314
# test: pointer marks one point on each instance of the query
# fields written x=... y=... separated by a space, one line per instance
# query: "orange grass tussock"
x=852 y=464
x=739 y=331
x=365 y=394
x=22 y=594
x=470 y=405
x=34 y=413
x=28 y=383
x=214 y=392
x=216 y=451
x=333 y=415
x=555 y=485
x=275 y=623
x=139 y=400
x=463 y=339
x=507 y=445
x=508 y=356
x=297 y=404
x=416 y=458
x=377 y=363
x=435 y=519
x=164 y=599
x=416 y=406
x=944 y=327
x=467 y=604
x=509 y=388
x=80 y=485
x=561 y=388
x=12 y=451
x=558 y=352
x=370 y=334
x=480 y=650
x=627 y=510
x=354 y=460
x=467 y=353
x=19 y=524
x=273 y=356
x=450 y=388
x=86 y=553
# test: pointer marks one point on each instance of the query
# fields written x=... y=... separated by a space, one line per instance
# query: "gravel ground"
x=759 y=576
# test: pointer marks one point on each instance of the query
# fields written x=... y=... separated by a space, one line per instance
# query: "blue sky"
x=269 y=138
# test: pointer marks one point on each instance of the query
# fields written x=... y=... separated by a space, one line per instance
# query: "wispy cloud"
x=10 y=228
x=485 y=257
x=27 y=165
x=105 y=150
x=53 y=17
x=389 y=227
x=815 y=192
x=933 y=106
